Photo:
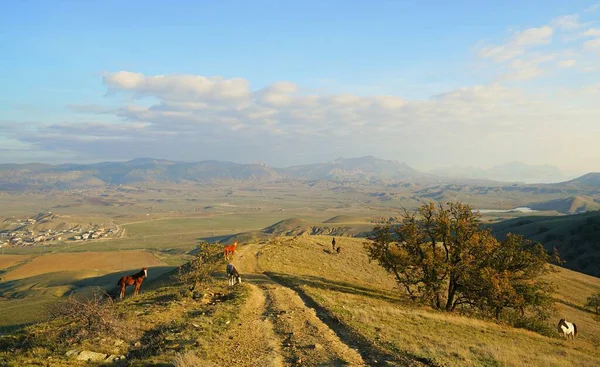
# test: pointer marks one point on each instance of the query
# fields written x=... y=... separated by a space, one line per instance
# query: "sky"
x=429 y=83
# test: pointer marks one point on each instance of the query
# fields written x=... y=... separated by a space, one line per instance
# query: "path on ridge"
x=282 y=326
x=277 y=327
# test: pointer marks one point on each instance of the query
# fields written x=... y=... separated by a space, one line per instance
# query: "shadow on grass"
x=372 y=354
x=580 y=308
x=328 y=284
x=13 y=289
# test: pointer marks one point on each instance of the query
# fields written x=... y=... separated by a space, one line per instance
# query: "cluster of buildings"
x=23 y=234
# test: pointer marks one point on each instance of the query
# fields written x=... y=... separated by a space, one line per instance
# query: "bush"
x=88 y=317
x=207 y=260
x=593 y=302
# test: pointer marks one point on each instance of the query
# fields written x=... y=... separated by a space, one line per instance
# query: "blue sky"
x=490 y=75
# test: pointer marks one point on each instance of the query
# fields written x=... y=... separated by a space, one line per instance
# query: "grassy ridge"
x=362 y=296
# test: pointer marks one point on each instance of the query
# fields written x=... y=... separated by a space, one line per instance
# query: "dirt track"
x=280 y=328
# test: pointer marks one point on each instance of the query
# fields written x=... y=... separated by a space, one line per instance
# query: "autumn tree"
x=440 y=255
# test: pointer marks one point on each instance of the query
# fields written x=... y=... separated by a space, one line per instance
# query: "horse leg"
x=137 y=288
x=122 y=295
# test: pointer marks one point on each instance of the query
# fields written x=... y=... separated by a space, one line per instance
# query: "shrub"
x=207 y=260
x=593 y=302
x=88 y=317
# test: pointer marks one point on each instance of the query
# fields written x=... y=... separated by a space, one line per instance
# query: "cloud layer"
x=195 y=117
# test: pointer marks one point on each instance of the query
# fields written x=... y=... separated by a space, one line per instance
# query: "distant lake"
x=520 y=210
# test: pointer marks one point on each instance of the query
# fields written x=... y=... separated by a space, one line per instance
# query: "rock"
x=114 y=358
x=72 y=352
x=118 y=342
x=89 y=356
x=137 y=344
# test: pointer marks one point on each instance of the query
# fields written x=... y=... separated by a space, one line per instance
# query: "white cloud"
x=518 y=43
x=567 y=22
x=567 y=63
x=179 y=87
x=533 y=36
x=593 y=8
x=592 y=32
x=281 y=123
x=592 y=44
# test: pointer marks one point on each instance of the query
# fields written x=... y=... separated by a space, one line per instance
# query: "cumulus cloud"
x=567 y=63
x=283 y=124
x=178 y=87
x=517 y=44
x=567 y=22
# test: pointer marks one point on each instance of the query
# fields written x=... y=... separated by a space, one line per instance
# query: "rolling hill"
x=569 y=205
x=576 y=237
x=300 y=304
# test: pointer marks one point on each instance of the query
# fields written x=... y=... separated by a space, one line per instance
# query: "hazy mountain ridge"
x=356 y=168
x=363 y=169
x=508 y=172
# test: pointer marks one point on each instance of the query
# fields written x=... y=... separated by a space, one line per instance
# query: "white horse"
x=567 y=329
x=233 y=276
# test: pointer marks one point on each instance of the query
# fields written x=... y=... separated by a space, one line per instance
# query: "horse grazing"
x=567 y=328
x=227 y=250
x=136 y=279
x=233 y=276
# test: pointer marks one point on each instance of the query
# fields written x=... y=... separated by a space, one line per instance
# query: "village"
x=23 y=232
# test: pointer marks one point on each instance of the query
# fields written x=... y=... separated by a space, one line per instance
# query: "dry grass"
x=6 y=261
x=364 y=297
x=190 y=359
x=450 y=339
x=106 y=261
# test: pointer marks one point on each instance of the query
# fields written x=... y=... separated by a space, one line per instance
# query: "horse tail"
x=575 y=330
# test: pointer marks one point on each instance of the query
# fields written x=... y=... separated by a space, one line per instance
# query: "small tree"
x=207 y=260
x=441 y=256
x=593 y=302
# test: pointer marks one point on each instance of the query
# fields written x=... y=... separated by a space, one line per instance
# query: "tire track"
x=310 y=334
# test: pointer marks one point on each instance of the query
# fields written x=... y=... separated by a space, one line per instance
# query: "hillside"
x=577 y=237
x=336 y=226
x=570 y=205
x=298 y=304
x=591 y=180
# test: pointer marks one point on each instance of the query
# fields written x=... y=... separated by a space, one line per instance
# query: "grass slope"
x=577 y=237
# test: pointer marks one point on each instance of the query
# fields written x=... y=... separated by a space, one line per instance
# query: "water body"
x=518 y=210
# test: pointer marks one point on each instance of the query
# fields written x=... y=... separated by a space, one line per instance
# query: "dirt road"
x=279 y=327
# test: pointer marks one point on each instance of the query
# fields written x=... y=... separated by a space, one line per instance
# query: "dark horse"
x=136 y=279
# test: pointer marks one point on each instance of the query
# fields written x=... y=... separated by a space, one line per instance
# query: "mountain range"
x=363 y=169
x=508 y=172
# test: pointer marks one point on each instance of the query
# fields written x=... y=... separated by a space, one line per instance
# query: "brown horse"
x=136 y=279
x=229 y=249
